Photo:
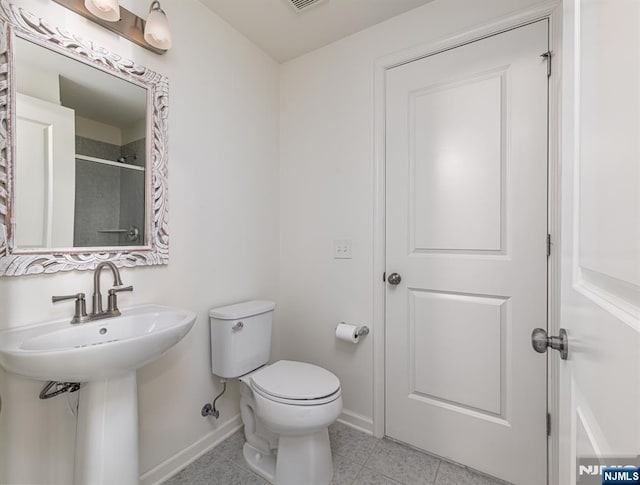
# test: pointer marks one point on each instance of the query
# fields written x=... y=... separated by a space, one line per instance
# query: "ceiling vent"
x=300 y=5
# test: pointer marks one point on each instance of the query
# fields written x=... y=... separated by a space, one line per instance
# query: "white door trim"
x=551 y=11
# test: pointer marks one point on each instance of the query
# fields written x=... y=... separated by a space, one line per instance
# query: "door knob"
x=394 y=279
x=541 y=341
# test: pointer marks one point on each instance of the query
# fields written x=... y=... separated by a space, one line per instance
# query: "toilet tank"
x=240 y=337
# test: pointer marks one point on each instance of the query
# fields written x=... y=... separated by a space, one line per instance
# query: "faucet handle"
x=113 y=297
x=78 y=296
x=80 y=314
x=119 y=289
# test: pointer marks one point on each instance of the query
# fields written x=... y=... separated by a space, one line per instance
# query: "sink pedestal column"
x=107 y=432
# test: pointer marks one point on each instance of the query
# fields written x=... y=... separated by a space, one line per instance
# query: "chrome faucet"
x=112 y=310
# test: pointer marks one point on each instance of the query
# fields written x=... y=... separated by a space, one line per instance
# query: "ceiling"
x=277 y=28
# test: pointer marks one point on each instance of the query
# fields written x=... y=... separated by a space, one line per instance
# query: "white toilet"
x=286 y=407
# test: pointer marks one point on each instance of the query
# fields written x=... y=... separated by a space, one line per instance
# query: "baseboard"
x=357 y=421
x=177 y=462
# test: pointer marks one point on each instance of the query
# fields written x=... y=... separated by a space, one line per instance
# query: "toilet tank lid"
x=242 y=310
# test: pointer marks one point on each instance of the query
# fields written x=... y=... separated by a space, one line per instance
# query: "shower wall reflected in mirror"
x=109 y=202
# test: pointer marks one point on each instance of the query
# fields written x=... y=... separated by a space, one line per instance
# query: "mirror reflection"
x=81 y=153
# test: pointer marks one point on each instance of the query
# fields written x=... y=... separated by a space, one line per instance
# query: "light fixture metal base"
x=130 y=26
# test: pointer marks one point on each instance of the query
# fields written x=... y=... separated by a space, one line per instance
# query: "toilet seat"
x=296 y=383
x=299 y=402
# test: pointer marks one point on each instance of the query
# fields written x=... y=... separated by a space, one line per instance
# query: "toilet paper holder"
x=361 y=330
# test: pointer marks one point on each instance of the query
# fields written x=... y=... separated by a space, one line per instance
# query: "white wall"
x=36 y=82
x=326 y=187
x=135 y=131
x=223 y=186
x=97 y=130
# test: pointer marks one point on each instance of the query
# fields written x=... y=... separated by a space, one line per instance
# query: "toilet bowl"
x=295 y=402
x=286 y=407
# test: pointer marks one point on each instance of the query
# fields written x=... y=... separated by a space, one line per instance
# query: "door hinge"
x=548 y=424
x=548 y=245
x=547 y=55
x=384 y=277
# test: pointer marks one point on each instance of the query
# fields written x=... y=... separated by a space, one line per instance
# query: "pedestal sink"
x=104 y=356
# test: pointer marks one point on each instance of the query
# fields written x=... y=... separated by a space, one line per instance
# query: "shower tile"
x=350 y=443
x=97 y=149
x=137 y=148
x=403 y=464
x=97 y=204
x=132 y=202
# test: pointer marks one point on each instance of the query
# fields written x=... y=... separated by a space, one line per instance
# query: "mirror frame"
x=15 y=21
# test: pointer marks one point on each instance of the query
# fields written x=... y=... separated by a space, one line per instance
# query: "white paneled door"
x=466 y=229
x=600 y=305
x=44 y=208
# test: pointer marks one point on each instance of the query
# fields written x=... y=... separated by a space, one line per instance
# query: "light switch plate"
x=342 y=249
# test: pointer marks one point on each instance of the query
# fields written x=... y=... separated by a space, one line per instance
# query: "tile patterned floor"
x=358 y=459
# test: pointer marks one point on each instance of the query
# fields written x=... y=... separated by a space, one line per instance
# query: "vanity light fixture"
x=108 y=10
x=152 y=34
x=156 y=30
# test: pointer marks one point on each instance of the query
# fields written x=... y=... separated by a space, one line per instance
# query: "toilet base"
x=260 y=463
x=304 y=459
x=300 y=459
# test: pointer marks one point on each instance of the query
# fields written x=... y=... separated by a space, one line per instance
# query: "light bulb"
x=108 y=10
x=156 y=30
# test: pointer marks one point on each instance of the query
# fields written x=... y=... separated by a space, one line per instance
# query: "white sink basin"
x=103 y=355
x=60 y=351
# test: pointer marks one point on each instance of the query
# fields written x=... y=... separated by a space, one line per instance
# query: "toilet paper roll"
x=348 y=333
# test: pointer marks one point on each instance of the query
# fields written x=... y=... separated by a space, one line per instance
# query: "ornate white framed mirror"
x=83 y=152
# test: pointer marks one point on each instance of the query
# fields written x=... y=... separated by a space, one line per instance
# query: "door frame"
x=551 y=11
